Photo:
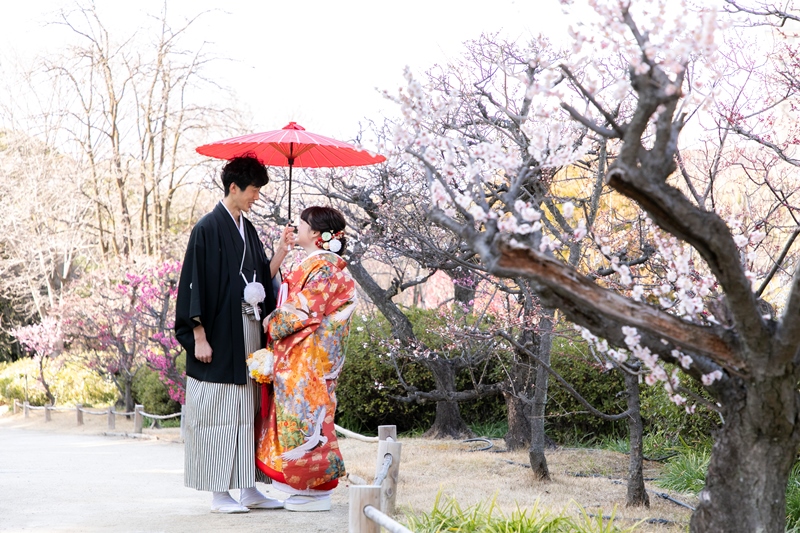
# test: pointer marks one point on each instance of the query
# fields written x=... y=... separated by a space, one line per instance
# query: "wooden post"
x=112 y=418
x=16 y=406
x=389 y=485
x=387 y=432
x=360 y=497
x=137 y=418
x=79 y=413
x=26 y=410
x=47 y=412
x=183 y=422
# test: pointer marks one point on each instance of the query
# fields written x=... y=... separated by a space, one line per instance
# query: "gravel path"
x=66 y=482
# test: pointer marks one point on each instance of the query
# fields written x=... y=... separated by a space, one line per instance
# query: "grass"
x=448 y=515
x=686 y=472
x=491 y=430
x=793 y=500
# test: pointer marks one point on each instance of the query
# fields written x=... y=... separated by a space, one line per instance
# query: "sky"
x=315 y=62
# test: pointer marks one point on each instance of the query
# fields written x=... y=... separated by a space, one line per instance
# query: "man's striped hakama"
x=219 y=441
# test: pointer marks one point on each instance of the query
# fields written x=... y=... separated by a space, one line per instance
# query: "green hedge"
x=149 y=391
x=605 y=390
x=369 y=381
x=599 y=387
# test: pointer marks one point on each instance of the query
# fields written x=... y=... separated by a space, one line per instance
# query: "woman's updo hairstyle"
x=330 y=223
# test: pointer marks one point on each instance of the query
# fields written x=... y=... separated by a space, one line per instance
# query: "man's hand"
x=288 y=238
x=202 y=349
x=285 y=245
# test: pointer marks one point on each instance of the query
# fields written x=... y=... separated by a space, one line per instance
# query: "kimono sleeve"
x=192 y=288
x=305 y=308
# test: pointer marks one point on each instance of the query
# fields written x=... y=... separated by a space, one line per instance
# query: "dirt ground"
x=593 y=480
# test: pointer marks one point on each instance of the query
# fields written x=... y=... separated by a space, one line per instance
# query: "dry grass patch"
x=593 y=480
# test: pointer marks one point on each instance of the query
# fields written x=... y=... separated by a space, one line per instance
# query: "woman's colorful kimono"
x=295 y=440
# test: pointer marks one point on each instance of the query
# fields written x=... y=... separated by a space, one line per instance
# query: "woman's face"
x=306 y=237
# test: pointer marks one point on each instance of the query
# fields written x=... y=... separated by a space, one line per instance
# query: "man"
x=218 y=329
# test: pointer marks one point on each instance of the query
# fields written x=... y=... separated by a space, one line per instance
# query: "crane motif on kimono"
x=313 y=439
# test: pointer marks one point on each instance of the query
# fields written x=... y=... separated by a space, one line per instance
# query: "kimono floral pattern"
x=296 y=437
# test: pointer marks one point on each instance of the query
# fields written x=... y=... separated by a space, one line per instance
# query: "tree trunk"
x=129 y=394
x=448 y=422
x=47 y=392
x=518 y=398
x=519 y=422
x=751 y=459
x=637 y=494
x=544 y=340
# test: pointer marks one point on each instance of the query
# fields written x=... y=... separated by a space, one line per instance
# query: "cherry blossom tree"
x=125 y=323
x=45 y=342
x=706 y=321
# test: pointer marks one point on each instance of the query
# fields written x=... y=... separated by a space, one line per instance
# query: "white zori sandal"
x=299 y=502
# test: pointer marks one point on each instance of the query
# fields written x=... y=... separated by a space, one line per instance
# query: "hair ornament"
x=330 y=241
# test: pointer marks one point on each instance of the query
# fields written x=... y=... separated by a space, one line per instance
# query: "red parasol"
x=292 y=146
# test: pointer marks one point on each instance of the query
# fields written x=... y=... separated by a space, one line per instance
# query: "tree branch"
x=578 y=297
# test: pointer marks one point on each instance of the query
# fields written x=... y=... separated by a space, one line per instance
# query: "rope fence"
x=138 y=413
x=371 y=506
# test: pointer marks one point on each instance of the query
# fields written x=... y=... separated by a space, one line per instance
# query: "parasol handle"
x=289 y=212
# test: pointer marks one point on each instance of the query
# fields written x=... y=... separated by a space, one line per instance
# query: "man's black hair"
x=243 y=171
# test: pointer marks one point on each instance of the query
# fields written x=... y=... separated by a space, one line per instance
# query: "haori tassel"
x=254 y=294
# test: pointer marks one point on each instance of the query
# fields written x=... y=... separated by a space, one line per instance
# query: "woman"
x=296 y=443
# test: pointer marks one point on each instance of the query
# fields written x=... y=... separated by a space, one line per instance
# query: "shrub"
x=151 y=393
x=567 y=420
x=672 y=421
x=369 y=380
x=667 y=424
x=72 y=383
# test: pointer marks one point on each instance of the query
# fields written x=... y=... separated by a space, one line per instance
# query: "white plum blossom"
x=619 y=356
x=528 y=213
x=580 y=231
x=684 y=359
x=631 y=336
x=677 y=399
x=439 y=196
x=756 y=237
x=710 y=378
x=637 y=292
x=507 y=223
x=568 y=210
x=740 y=240
x=477 y=213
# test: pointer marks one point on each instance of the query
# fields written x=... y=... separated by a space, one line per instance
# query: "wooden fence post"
x=389 y=484
x=112 y=418
x=79 y=413
x=26 y=410
x=387 y=432
x=16 y=406
x=47 y=407
x=137 y=418
x=360 y=497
